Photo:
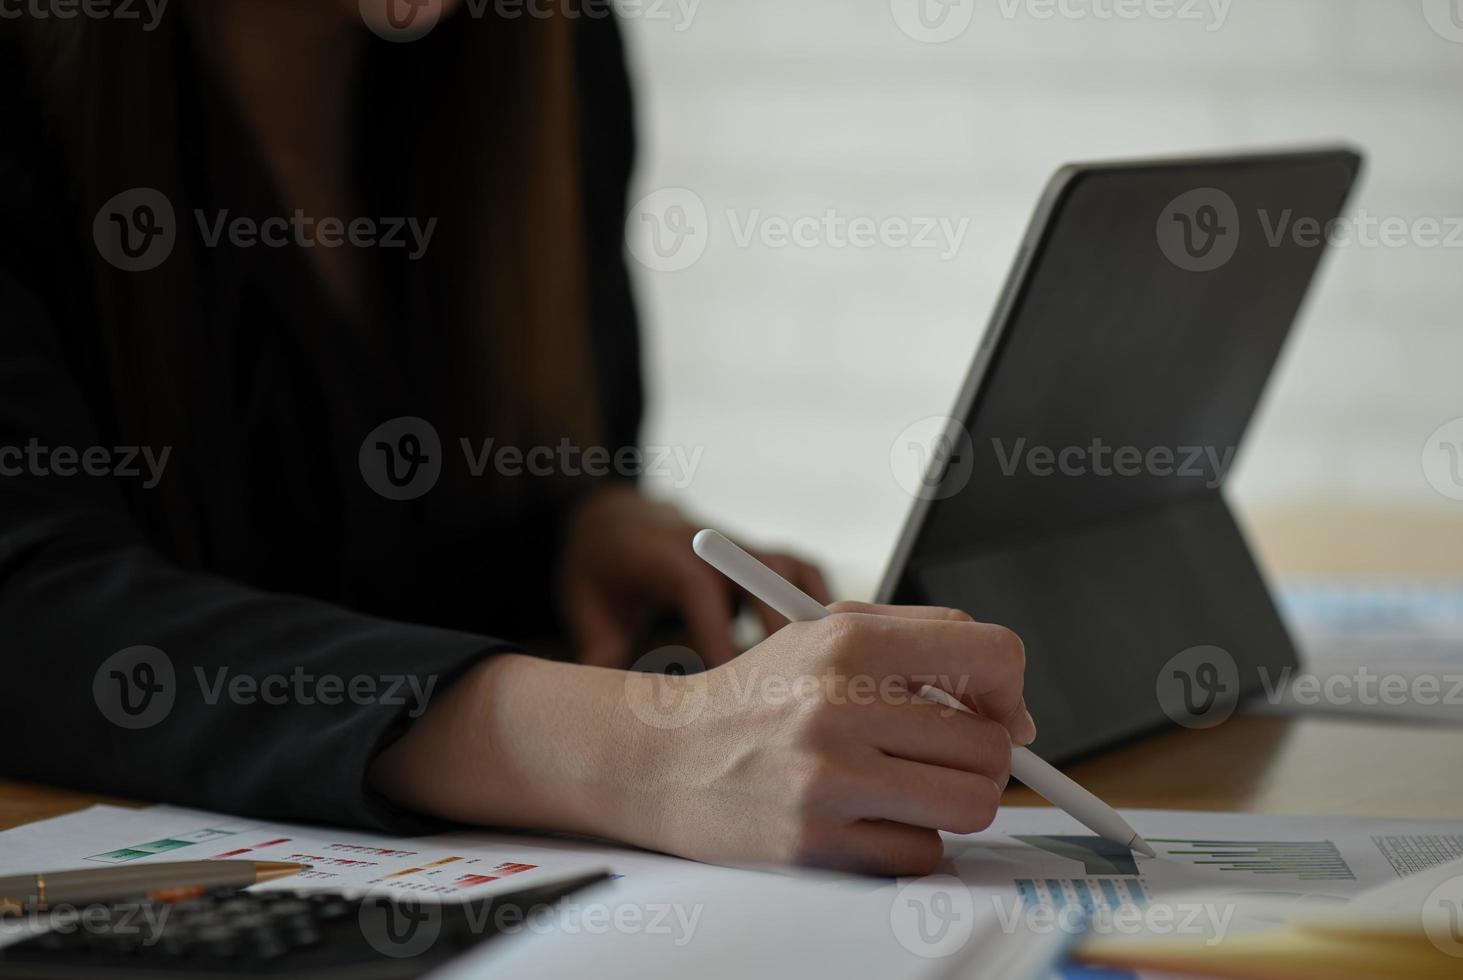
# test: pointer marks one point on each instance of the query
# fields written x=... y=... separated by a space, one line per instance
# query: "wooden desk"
x=1261 y=764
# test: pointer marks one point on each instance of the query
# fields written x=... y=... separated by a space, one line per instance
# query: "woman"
x=228 y=629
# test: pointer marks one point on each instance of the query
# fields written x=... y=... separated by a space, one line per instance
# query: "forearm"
x=524 y=742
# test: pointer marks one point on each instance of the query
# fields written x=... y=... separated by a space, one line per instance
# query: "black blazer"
x=298 y=571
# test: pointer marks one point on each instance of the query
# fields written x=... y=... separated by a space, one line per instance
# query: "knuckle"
x=846 y=606
x=976 y=802
x=821 y=784
x=813 y=717
x=846 y=634
x=813 y=843
x=1007 y=649
x=926 y=851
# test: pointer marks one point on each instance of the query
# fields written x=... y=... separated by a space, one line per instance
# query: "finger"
x=703 y=599
x=1022 y=726
x=901 y=612
x=811 y=581
x=923 y=731
x=980 y=664
x=599 y=638
x=928 y=796
x=877 y=847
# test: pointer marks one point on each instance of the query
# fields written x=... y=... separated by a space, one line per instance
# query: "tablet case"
x=1139 y=601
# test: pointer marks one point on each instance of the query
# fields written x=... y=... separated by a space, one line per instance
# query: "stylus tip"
x=1141 y=846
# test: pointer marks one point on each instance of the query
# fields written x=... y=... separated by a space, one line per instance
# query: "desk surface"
x=1262 y=764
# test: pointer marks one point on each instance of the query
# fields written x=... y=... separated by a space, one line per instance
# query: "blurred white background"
x=796 y=367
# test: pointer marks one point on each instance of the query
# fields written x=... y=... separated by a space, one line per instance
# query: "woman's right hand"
x=811 y=748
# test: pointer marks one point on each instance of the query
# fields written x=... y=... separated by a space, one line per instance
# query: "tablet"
x=1075 y=493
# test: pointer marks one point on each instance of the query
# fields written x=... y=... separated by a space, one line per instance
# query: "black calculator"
x=233 y=933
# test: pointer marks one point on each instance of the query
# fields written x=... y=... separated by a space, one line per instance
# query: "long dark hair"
x=498 y=161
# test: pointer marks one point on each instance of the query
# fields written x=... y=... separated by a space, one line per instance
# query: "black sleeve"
x=78 y=585
x=607 y=127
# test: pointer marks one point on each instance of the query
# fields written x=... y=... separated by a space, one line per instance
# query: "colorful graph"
x=1308 y=860
x=1089 y=894
x=162 y=846
x=1098 y=855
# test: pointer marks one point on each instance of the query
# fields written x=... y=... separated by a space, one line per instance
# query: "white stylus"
x=797 y=606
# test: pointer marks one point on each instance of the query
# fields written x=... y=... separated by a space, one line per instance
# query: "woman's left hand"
x=627 y=558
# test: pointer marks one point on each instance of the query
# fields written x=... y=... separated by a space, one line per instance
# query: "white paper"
x=667 y=917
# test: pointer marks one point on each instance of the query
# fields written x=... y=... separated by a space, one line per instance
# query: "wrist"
x=529 y=743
